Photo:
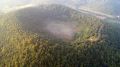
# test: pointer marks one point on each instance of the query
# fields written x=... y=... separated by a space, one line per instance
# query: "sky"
x=96 y=5
x=9 y=4
x=6 y=5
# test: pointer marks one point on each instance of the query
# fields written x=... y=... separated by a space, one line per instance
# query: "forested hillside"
x=57 y=36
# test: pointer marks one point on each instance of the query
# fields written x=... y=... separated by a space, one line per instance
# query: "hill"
x=106 y=6
x=57 y=36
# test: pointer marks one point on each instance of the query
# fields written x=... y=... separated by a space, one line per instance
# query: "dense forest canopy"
x=57 y=36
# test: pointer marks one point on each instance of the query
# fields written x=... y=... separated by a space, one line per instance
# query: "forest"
x=25 y=40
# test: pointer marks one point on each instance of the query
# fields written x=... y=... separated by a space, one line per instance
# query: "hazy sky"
x=9 y=4
x=6 y=4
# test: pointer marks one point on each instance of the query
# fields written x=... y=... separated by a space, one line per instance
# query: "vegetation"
x=95 y=42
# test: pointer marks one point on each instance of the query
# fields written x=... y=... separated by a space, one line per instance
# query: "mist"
x=62 y=30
